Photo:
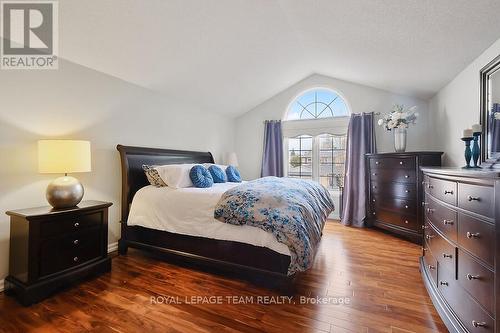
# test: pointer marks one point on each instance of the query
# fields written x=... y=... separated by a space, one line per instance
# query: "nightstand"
x=51 y=249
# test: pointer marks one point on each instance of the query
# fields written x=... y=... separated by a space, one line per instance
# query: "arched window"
x=317 y=104
x=315 y=129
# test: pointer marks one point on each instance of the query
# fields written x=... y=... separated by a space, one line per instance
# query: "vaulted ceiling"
x=230 y=55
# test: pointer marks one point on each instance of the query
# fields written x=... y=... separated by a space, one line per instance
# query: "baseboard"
x=1 y=285
x=111 y=247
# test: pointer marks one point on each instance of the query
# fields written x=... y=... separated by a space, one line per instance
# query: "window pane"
x=316 y=104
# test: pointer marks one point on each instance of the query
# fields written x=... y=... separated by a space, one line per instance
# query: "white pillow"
x=223 y=167
x=175 y=175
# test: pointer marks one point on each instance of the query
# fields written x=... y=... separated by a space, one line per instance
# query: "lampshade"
x=63 y=156
x=231 y=159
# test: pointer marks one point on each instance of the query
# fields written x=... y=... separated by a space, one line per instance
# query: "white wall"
x=75 y=102
x=457 y=106
x=249 y=132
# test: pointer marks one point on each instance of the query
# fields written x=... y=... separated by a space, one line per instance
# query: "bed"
x=161 y=221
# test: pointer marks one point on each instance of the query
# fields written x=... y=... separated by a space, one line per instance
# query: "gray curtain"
x=495 y=129
x=360 y=141
x=272 y=158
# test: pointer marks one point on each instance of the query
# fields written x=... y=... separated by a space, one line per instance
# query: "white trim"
x=2 y=286
x=112 y=247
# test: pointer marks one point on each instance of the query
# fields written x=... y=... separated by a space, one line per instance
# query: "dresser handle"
x=447 y=192
x=76 y=241
x=377 y=162
x=471 y=277
x=431 y=267
x=374 y=186
x=443 y=283
x=374 y=213
x=478 y=324
x=374 y=174
x=430 y=186
x=471 y=198
x=447 y=255
x=75 y=259
x=76 y=224
x=425 y=227
x=406 y=221
x=430 y=236
x=400 y=162
x=406 y=206
x=448 y=222
x=407 y=176
x=430 y=210
x=472 y=235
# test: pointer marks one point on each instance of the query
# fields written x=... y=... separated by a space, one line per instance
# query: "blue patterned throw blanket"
x=293 y=210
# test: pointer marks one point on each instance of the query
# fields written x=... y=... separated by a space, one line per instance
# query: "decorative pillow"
x=175 y=175
x=218 y=175
x=153 y=176
x=201 y=177
x=233 y=175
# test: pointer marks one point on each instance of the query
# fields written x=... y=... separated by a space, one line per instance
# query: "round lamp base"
x=64 y=192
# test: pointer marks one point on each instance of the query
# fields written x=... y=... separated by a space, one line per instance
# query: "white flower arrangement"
x=399 y=117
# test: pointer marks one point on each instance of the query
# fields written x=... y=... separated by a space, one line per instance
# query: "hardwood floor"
x=376 y=272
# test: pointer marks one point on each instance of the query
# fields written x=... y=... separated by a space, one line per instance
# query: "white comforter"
x=190 y=211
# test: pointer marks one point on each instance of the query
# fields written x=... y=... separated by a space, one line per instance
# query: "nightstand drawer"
x=61 y=226
x=57 y=254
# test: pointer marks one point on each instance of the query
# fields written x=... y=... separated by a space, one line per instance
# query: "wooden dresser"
x=461 y=252
x=395 y=191
x=50 y=249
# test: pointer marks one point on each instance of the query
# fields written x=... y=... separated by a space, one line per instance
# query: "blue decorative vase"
x=475 y=150
x=468 y=152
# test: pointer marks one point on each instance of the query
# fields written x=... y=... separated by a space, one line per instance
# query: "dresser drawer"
x=392 y=163
x=394 y=175
x=393 y=190
x=473 y=317
x=442 y=250
x=478 y=280
x=431 y=266
x=404 y=221
x=396 y=205
x=476 y=198
x=60 y=226
x=57 y=254
x=477 y=237
x=442 y=189
x=442 y=217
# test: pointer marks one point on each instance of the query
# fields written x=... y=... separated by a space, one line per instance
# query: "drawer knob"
x=406 y=221
x=76 y=224
x=478 y=323
x=374 y=174
x=430 y=186
x=430 y=210
x=443 y=283
x=374 y=213
x=430 y=236
x=445 y=255
x=75 y=259
x=401 y=163
x=374 y=186
x=471 y=198
x=377 y=162
x=76 y=242
x=471 y=277
x=407 y=176
x=447 y=192
x=431 y=267
x=406 y=206
x=448 y=222
x=472 y=234
x=407 y=191
x=425 y=227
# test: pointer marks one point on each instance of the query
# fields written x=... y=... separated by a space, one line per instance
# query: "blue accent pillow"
x=218 y=175
x=200 y=176
x=233 y=175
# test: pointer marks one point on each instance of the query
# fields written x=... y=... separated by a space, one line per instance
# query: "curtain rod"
x=277 y=121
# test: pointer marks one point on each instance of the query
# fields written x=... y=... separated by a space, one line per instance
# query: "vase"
x=400 y=140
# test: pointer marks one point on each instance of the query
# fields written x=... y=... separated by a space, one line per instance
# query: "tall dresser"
x=461 y=251
x=395 y=191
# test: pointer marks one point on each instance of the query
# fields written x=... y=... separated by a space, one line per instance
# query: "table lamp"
x=64 y=156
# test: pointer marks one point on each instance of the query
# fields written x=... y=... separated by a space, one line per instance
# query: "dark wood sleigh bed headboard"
x=133 y=177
